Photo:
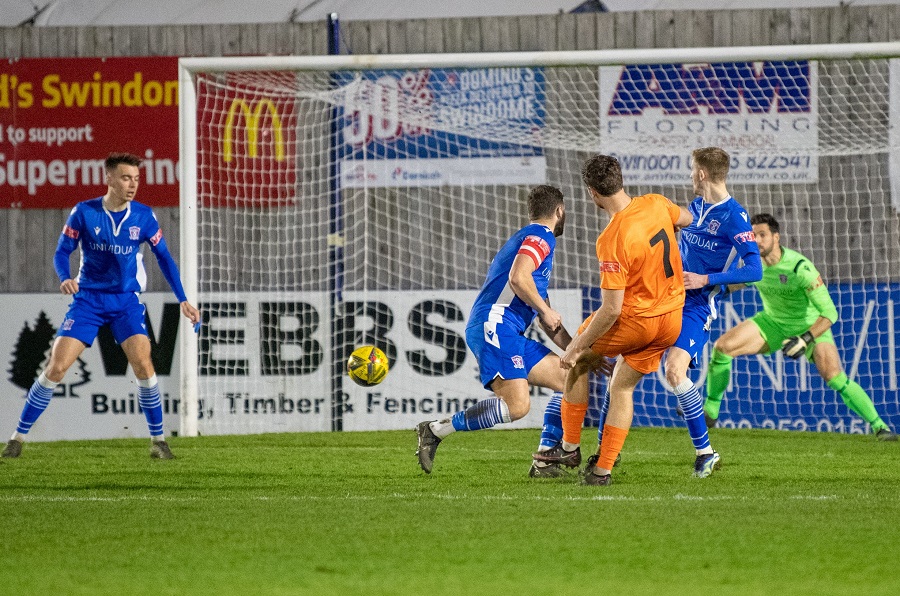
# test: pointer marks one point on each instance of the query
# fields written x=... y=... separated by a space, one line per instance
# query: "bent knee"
x=518 y=407
x=143 y=370
x=725 y=346
x=586 y=364
x=55 y=373
x=675 y=374
x=558 y=381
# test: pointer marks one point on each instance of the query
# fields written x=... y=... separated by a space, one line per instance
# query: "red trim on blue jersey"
x=70 y=232
x=535 y=248
x=156 y=237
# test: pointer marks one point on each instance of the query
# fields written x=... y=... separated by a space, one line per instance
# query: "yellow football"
x=367 y=366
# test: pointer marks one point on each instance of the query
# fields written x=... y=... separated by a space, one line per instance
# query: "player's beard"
x=560 y=226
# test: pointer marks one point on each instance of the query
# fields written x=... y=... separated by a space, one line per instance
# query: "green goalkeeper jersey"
x=793 y=293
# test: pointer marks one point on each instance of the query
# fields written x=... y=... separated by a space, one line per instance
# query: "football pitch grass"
x=351 y=513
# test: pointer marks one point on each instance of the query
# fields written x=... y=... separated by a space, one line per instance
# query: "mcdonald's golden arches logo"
x=252 y=118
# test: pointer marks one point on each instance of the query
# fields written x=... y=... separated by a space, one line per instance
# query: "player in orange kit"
x=642 y=292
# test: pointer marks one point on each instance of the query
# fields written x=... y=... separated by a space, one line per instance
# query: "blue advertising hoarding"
x=437 y=127
x=776 y=392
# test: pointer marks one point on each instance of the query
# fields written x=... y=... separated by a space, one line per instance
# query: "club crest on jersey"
x=518 y=362
x=134 y=232
x=783 y=278
x=713 y=226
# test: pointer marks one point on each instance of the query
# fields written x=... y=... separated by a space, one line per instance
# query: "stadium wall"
x=28 y=237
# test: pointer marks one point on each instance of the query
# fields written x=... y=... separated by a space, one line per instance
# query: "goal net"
x=333 y=202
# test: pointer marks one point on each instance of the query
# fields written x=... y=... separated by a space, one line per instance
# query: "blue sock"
x=692 y=405
x=35 y=403
x=552 y=431
x=151 y=404
x=604 y=410
x=485 y=414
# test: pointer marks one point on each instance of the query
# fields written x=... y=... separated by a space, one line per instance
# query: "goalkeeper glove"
x=793 y=347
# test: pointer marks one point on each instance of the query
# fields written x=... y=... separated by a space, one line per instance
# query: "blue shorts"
x=503 y=352
x=124 y=313
x=695 y=324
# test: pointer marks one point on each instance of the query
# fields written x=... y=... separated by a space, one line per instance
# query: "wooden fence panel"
x=625 y=30
x=528 y=33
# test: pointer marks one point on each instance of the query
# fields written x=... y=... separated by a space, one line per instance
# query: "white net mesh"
x=354 y=207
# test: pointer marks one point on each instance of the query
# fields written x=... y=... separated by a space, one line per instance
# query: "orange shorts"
x=641 y=341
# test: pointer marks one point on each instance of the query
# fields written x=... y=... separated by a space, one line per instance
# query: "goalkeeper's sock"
x=857 y=400
x=572 y=420
x=36 y=402
x=604 y=410
x=717 y=380
x=151 y=404
x=614 y=439
x=551 y=432
x=692 y=406
x=484 y=414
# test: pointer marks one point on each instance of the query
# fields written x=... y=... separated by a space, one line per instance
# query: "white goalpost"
x=329 y=202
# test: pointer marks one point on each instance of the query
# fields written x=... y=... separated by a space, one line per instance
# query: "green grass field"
x=351 y=513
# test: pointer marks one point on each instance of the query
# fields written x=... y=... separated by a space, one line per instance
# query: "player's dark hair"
x=604 y=174
x=543 y=201
x=764 y=218
x=714 y=160
x=114 y=159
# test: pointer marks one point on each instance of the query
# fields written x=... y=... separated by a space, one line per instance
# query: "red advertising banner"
x=61 y=117
x=247 y=140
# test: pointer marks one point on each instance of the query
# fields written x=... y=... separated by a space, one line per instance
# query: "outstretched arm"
x=684 y=218
x=819 y=297
x=794 y=347
x=750 y=272
x=68 y=242
x=522 y=283
x=170 y=272
x=560 y=336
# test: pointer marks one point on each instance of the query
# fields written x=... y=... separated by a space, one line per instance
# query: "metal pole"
x=190 y=398
x=335 y=248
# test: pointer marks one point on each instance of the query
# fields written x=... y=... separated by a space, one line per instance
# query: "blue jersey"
x=714 y=244
x=111 y=259
x=496 y=300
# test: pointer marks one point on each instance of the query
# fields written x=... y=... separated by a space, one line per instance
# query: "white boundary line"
x=402 y=497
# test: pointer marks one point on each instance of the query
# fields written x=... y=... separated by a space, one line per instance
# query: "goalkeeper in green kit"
x=797 y=317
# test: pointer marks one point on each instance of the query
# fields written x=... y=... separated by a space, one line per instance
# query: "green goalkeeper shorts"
x=775 y=333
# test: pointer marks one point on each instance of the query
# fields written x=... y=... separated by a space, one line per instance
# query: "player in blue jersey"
x=110 y=230
x=712 y=249
x=514 y=293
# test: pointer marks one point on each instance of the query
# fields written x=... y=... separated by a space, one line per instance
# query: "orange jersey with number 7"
x=638 y=253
